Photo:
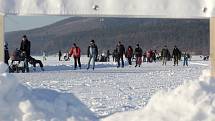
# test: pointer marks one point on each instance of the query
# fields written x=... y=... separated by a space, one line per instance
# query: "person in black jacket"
x=92 y=53
x=176 y=55
x=138 y=53
x=59 y=55
x=25 y=46
x=6 y=54
x=121 y=51
x=25 y=49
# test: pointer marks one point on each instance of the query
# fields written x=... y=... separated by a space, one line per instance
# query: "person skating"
x=76 y=52
x=164 y=55
x=59 y=55
x=25 y=49
x=121 y=51
x=138 y=53
x=92 y=53
x=129 y=54
x=176 y=55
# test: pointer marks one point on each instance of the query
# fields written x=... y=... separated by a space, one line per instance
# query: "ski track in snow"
x=108 y=89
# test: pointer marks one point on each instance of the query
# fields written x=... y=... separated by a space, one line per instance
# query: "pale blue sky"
x=14 y=23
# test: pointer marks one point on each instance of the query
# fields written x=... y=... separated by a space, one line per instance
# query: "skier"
x=59 y=55
x=25 y=49
x=76 y=52
x=176 y=55
x=138 y=53
x=121 y=51
x=129 y=54
x=164 y=54
x=92 y=53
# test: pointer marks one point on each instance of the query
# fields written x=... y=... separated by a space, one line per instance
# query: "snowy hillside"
x=107 y=89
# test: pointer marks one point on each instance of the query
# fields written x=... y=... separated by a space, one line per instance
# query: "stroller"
x=18 y=62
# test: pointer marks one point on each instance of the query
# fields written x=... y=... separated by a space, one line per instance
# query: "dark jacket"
x=92 y=50
x=6 y=55
x=176 y=52
x=138 y=52
x=165 y=52
x=120 y=49
x=26 y=47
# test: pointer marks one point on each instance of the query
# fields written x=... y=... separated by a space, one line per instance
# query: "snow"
x=151 y=92
x=107 y=89
x=20 y=103
x=192 y=101
x=112 y=8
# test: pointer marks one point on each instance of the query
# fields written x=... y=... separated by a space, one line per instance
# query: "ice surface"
x=107 y=89
x=192 y=101
x=19 y=103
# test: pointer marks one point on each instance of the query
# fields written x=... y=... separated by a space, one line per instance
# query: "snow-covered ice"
x=107 y=89
x=19 y=103
x=192 y=101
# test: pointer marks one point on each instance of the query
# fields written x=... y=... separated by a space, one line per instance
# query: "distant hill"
x=191 y=35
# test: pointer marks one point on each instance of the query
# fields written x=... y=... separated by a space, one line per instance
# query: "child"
x=185 y=59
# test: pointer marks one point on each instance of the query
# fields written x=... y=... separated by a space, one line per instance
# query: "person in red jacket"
x=76 y=52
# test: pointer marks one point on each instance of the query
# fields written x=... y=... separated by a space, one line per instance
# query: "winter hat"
x=138 y=45
x=24 y=36
x=92 y=41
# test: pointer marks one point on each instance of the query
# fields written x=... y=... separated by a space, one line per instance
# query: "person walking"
x=114 y=55
x=6 y=54
x=121 y=51
x=59 y=55
x=44 y=56
x=176 y=55
x=185 y=59
x=164 y=55
x=76 y=52
x=92 y=53
x=138 y=53
x=25 y=49
x=129 y=54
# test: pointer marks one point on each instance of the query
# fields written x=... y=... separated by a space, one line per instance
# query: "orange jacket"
x=75 y=51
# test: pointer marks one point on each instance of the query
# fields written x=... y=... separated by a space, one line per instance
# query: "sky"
x=14 y=23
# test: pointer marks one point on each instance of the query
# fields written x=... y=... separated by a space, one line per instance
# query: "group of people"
x=22 y=54
x=148 y=56
x=176 y=55
x=92 y=52
x=120 y=52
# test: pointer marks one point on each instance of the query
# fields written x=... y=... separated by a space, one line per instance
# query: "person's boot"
x=34 y=69
x=42 y=69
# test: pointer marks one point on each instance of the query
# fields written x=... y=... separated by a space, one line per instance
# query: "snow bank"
x=120 y=8
x=192 y=101
x=18 y=103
